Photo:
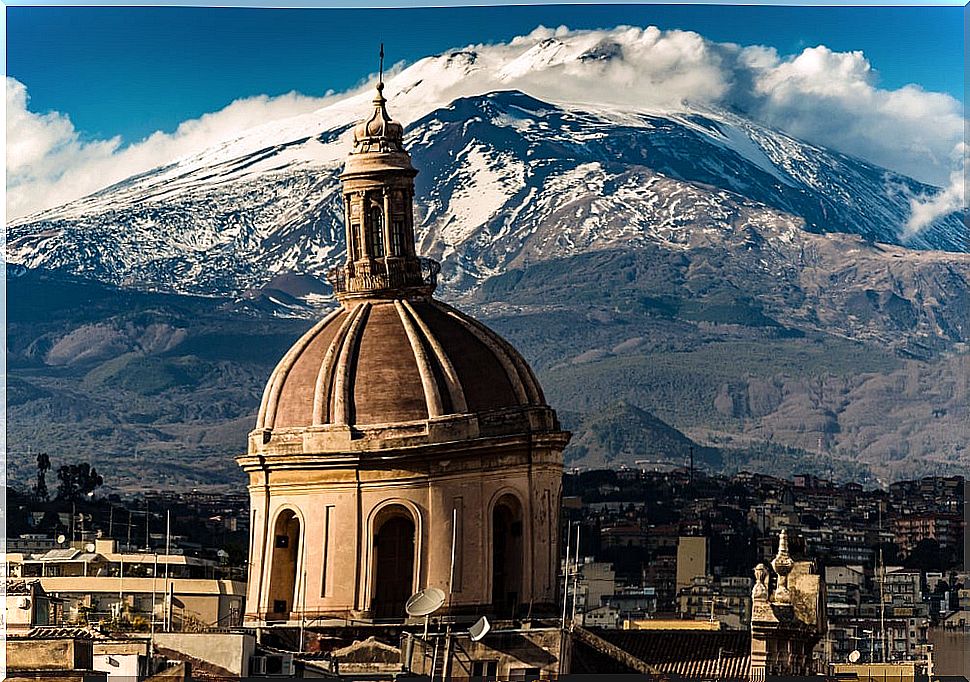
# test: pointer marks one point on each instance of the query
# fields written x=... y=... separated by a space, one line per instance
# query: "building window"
x=355 y=235
x=397 y=238
x=377 y=232
x=484 y=670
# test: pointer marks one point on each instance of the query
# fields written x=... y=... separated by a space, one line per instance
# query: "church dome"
x=394 y=361
x=400 y=444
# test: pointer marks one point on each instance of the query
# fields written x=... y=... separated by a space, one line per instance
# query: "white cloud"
x=49 y=164
x=832 y=99
x=925 y=209
x=827 y=98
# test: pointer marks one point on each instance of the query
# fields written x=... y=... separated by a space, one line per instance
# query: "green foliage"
x=75 y=481
x=148 y=375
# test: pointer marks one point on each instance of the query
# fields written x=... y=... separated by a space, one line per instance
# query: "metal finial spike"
x=380 y=78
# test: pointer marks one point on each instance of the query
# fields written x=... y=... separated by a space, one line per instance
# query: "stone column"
x=387 y=224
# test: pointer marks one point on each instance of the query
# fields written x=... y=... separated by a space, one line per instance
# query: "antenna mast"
x=380 y=68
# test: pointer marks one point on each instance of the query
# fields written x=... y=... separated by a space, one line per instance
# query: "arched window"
x=377 y=231
x=507 y=556
x=283 y=570
x=393 y=562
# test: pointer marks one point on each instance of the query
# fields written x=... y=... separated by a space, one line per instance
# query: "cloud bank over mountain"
x=827 y=98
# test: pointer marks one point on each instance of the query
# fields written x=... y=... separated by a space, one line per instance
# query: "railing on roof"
x=383 y=274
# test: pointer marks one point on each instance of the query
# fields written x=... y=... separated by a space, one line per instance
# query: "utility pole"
x=565 y=580
x=151 y=618
x=882 y=594
x=690 y=478
x=576 y=573
x=168 y=538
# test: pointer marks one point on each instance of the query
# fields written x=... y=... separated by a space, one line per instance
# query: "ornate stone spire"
x=378 y=191
x=379 y=133
x=782 y=563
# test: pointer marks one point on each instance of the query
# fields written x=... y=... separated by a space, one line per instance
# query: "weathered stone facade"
x=787 y=621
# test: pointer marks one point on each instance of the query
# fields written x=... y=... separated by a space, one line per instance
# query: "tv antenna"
x=479 y=629
x=424 y=603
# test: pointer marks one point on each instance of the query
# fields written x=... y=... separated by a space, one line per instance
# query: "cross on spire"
x=380 y=78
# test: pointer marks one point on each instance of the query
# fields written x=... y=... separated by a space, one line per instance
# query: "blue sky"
x=132 y=70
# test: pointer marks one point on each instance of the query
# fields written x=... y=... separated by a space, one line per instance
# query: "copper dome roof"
x=393 y=361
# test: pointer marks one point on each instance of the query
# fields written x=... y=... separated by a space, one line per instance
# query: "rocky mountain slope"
x=687 y=274
x=505 y=179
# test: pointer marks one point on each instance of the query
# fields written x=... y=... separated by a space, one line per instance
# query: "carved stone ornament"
x=760 y=591
x=782 y=563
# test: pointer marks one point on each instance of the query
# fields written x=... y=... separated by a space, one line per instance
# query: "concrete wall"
x=691 y=560
x=118 y=666
x=48 y=654
x=229 y=651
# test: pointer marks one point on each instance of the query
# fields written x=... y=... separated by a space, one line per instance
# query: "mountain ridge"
x=496 y=169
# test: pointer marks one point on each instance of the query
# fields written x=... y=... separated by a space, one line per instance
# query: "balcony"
x=384 y=274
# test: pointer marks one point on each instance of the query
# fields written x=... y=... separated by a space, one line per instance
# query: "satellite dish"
x=854 y=656
x=61 y=539
x=479 y=629
x=222 y=553
x=90 y=547
x=24 y=603
x=425 y=602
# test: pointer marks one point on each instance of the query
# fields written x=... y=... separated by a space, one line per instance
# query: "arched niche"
x=508 y=555
x=394 y=561
x=285 y=564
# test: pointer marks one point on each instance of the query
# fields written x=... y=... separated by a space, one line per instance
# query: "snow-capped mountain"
x=505 y=179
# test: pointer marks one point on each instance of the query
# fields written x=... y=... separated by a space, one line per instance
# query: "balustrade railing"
x=384 y=274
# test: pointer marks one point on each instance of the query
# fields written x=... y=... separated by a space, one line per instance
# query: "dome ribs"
x=271 y=396
x=388 y=386
x=523 y=383
x=431 y=394
x=325 y=377
x=343 y=407
x=455 y=392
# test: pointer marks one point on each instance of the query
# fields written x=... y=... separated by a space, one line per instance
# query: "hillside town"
x=658 y=551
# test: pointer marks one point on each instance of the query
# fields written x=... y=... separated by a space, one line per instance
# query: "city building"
x=691 y=560
x=96 y=583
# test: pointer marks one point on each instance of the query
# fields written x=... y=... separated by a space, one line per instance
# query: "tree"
x=77 y=480
x=43 y=466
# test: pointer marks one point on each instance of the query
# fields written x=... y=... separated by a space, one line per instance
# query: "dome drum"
x=343 y=440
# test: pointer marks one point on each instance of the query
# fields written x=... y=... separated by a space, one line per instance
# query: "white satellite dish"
x=61 y=539
x=90 y=547
x=425 y=602
x=222 y=554
x=854 y=656
x=479 y=629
